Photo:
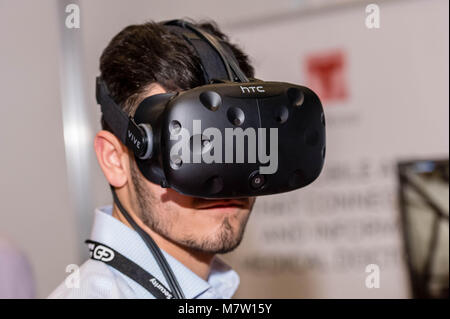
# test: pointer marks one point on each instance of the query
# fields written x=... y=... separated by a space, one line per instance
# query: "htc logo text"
x=252 y=89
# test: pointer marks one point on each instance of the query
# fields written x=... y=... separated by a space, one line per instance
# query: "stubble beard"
x=224 y=240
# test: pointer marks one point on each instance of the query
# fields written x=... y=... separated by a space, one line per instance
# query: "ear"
x=113 y=158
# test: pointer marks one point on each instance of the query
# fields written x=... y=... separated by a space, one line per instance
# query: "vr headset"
x=231 y=137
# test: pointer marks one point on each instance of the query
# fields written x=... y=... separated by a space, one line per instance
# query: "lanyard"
x=171 y=280
x=109 y=256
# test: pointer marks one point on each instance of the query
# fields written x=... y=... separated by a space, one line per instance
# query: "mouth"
x=221 y=204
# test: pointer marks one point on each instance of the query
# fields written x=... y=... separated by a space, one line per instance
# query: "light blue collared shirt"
x=99 y=280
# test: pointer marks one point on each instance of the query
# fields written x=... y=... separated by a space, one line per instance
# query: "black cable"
x=154 y=249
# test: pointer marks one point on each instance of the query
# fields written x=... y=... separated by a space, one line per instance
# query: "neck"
x=198 y=262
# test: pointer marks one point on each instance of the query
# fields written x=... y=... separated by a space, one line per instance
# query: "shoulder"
x=93 y=280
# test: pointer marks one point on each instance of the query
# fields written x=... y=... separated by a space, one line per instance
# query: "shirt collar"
x=222 y=281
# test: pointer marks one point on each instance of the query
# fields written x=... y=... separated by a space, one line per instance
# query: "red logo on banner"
x=326 y=75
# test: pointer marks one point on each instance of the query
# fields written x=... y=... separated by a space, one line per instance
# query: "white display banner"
x=385 y=96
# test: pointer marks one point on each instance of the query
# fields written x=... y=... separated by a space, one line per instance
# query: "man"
x=140 y=61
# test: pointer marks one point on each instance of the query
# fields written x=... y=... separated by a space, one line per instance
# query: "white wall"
x=36 y=212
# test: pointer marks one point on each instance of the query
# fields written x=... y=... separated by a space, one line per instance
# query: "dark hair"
x=147 y=53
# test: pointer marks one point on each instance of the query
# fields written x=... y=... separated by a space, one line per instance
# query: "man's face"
x=211 y=226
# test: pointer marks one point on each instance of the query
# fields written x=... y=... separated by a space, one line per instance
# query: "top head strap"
x=211 y=63
x=217 y=59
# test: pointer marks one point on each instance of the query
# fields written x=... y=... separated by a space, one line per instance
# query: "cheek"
x=171 y=197
x=174 y=209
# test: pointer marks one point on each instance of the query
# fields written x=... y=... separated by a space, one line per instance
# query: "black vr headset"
x=232 y=137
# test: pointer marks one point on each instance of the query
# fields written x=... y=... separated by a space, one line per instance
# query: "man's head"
x=144 y=60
